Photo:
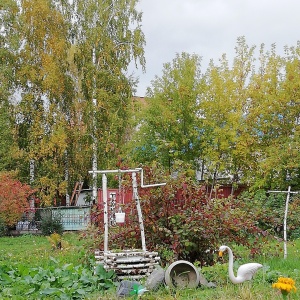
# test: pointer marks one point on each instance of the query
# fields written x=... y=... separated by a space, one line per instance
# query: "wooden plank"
x=133 y=272
x=131 y=253
x=133 y=276
x=80 y=185
x=136 y=266
x=133 y=260
x=74 y=192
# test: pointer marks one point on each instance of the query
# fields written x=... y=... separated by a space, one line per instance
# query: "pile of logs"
x=133 y=264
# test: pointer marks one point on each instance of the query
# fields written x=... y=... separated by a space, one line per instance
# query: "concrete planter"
x=182 y=274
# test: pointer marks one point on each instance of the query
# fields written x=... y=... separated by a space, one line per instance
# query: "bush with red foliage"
x=13 y=199
x=179 y=217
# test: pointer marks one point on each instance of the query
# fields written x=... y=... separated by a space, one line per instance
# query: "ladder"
x=76 y=193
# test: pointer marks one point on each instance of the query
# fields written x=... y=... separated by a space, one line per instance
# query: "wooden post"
x=74 y=192
x=104 y=196
x=112 y=210
x=139 y=211
x=288 y=192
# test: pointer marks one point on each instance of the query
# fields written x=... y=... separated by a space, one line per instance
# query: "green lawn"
x=35 y=250
x=29 y=251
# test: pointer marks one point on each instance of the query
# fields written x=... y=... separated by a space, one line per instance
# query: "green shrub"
x=51 y=223
x=3 y=228
x=269 y=209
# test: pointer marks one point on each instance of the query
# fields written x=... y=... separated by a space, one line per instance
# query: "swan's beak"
x=220 y=253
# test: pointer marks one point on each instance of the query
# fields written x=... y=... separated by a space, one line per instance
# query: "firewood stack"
x=133 y=264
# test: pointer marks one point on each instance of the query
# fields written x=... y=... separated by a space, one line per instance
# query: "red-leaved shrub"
x=13 y=199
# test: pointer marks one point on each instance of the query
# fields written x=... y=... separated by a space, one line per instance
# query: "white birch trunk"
x=95 y=142
x=67 y=178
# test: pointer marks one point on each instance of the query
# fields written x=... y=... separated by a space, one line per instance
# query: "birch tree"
x=70 y=68
x=42 y=79
x=107 y=37
x=9 y=44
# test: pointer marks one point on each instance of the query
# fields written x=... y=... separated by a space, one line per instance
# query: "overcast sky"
x=210 y=28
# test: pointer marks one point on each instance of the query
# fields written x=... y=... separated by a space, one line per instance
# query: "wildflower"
x=285 y=285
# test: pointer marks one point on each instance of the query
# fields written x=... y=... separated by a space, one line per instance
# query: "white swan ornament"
x=245 y=272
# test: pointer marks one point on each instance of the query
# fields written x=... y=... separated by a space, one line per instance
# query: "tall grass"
x=34 y=251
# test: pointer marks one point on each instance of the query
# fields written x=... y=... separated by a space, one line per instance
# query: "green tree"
x=9 y=44
x=74 y=91
x=42 y=78
x=223 y=105
x=7 y=146
x=240 y=122
x=273 y=118
x=107 y=37
x=170 y=126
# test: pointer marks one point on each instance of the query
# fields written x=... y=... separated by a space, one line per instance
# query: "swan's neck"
x=230 y=268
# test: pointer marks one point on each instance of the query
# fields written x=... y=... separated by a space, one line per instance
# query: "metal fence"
x=71 y=217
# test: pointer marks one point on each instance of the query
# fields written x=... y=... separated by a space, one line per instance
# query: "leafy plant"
x=51 y=223
x=106 y=279
x=3 y=228
x=65 y=281
x=269 y=210
x=272 y=276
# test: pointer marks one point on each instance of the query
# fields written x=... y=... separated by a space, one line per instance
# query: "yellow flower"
x=286 y=285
